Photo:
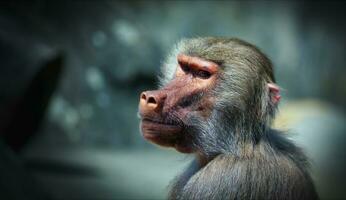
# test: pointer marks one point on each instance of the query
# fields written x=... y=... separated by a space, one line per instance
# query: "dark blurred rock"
x=16 y=182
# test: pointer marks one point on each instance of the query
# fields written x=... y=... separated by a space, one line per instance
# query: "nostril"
x=143 y=96
x=152 y=100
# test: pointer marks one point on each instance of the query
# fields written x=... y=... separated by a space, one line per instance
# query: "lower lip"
x=153 y=128
x=150 y=136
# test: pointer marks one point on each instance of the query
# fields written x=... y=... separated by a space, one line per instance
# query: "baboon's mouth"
x=151 y=127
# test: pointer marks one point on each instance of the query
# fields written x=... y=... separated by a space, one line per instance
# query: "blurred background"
x=71 y=73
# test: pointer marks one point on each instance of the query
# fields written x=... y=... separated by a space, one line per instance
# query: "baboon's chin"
x=184 y=148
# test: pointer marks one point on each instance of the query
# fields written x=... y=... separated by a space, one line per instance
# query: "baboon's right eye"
x=203 y=74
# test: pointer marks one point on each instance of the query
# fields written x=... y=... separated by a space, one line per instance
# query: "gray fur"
x=246 y=159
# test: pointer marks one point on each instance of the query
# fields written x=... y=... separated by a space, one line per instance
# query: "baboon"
x=217 y=99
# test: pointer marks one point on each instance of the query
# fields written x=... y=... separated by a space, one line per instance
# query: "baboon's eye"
x=203 y=74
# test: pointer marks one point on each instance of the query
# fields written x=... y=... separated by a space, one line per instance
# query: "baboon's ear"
x=274 y=92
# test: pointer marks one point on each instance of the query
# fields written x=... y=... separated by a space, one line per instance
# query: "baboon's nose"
x=151 y=100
